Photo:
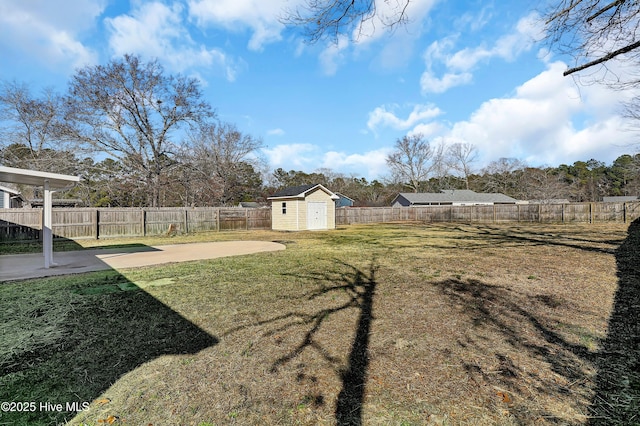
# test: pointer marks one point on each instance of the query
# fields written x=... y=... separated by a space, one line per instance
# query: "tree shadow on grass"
x=66 y=340
x=359 y=286
x=510 y=343
x=481 y=235
x=617 y=397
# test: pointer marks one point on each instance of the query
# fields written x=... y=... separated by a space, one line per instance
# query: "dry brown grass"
x=385 y=324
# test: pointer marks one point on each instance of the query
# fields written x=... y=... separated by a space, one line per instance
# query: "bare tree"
x=129 y=110
x=505 y=176
x=546 y=185
x=32 y=127
x=414 y=160
x=227 y=159
x=331 y=19
x=460 y=157
x=595 y=31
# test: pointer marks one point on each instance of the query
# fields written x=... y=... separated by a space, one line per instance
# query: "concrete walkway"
x=27 y=266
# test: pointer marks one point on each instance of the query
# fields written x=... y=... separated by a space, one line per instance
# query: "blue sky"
x=460 y=71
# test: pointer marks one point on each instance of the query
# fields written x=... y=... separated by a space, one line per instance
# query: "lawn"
x=395 y=324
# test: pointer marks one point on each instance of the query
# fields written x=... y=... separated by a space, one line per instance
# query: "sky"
x=470 y=71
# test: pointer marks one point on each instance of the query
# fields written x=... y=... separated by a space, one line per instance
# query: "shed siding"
x=296 y=217
x=288 y=221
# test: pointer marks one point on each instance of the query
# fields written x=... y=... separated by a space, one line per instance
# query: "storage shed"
x=306 y=207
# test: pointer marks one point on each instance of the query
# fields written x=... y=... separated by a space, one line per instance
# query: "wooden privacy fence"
x=78 y=223
x=559 y=213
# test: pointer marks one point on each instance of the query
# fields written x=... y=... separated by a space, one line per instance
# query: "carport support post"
x=47 y=234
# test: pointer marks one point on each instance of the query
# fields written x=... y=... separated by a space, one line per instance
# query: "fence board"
x=73 y=223
x=20 y=224
x=120 y=222
x=203 y=219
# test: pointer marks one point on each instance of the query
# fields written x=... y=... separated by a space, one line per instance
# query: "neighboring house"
x=306 y=207
x=620 y=199
x=344 y=201
x=250 y=205
x=451 y=197
x=57 y=202
x=10 y=198
x=551 y=201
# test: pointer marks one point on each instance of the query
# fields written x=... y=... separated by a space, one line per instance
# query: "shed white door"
x=316 y=215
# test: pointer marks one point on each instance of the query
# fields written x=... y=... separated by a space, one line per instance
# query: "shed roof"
x=301 y=191
x=292 y=191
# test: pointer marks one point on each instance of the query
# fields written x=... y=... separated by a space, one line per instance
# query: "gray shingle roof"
x=292 y=191
x=456 y=196
x=620 y=199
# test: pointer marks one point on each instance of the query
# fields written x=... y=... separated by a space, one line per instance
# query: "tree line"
x=141 y=138
x=581 y=181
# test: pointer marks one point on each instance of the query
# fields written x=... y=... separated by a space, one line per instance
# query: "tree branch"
x=605 y=58
x=604 y=9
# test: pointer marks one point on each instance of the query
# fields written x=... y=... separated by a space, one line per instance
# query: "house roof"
x=9 y=190
x=339 y=194
x=57 y=202
x=455 y=196
x=300 y=192
x=249 y=204
x=620 y=199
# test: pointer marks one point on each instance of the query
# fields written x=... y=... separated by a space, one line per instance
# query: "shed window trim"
x=284 y=207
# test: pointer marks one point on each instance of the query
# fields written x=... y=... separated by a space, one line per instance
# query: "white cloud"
x=333 y=55
x=260 y=16
x=296 y=155
x=275 y=132
x=458 y=65
x=309 y=157
x=474 y=23
x=156 y=30
x=50 y=31
x=388 y=12
x=507 y=47
x=432 y=84
x=428 y=130
x=382 y=116
x=371 y=164
x=539 y=123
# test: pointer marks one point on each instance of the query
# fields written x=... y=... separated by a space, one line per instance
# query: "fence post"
x=246 y=219
x=144 y=222
x=96 y=219
x=539 y=212
x=217 y=219
x=186 y=221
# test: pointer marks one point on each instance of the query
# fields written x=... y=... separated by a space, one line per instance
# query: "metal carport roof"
x=50 y=182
